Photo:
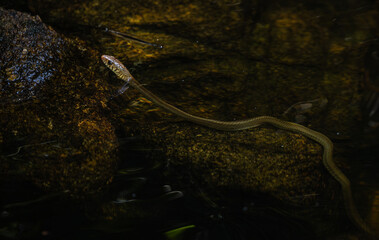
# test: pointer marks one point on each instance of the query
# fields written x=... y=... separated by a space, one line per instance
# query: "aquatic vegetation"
x=177 y=233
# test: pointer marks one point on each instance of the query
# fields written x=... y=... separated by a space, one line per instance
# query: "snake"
x=122 y=72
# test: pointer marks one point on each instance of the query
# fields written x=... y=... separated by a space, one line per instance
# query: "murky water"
x=314 y=63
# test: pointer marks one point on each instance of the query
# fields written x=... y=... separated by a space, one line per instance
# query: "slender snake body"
x=121 y=71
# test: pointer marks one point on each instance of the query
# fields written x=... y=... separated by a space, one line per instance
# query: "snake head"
x=117 y=67
x=111 y=62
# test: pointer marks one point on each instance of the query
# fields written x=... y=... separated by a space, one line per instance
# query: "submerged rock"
x=52 y=107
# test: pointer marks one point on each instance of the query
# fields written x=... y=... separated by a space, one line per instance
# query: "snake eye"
x=110 y=62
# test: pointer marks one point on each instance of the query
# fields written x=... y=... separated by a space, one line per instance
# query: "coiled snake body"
x=121 y=71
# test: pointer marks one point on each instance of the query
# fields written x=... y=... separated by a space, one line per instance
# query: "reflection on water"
x=221 y=59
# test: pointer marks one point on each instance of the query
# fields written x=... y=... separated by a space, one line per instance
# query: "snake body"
x=121 y=71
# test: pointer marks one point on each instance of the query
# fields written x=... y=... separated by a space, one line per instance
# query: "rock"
x=53 y=100
x=29 y=54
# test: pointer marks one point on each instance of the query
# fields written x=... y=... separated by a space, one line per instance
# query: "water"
x=220 y=59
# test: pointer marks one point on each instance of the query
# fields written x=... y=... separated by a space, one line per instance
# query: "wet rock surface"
x=52 y=104
x=265 y=160
x=30 y=53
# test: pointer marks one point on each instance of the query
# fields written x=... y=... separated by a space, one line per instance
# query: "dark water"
x=225 y=60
